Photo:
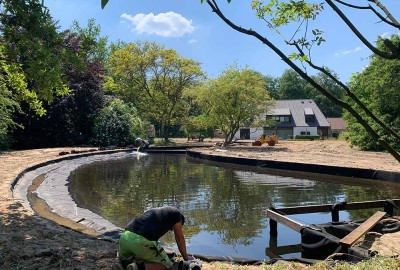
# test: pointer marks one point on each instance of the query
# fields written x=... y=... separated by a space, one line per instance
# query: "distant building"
x=293 y=117
x=338 y=125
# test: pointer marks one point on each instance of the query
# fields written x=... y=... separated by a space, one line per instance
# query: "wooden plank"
x=284 y=220
x=367 y=225
x=275 y=252
x=328 y=207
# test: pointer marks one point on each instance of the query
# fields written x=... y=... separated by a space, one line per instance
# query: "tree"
x=272 y=85
x=31 y=61
x=153 y=79
x=69 y=119
x=378 y=85
x=33 y=45
x=235 y=99
x=117 y=124
x=329 y=108
x=292 y=86
x=92 y=46
x=194 y=122
x=10 y=75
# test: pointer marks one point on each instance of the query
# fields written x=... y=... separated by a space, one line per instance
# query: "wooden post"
x=335 y=215
x=273 y=228
x=388 y=208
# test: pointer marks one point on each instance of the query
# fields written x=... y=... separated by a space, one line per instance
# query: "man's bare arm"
x=180 y=240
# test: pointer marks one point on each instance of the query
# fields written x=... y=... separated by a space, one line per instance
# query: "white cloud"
x=345 y=52
x=169 y=24
x=192 y=41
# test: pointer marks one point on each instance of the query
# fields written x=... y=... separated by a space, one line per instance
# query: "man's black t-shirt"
x=155 y=222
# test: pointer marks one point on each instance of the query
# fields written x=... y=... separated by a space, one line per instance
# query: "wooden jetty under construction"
x=321 y=238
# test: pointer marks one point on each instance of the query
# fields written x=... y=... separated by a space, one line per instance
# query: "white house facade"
x=292 y=118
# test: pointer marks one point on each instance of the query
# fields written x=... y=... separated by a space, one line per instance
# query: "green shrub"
x=307 y=137
x=117 y=124
x=4 y=142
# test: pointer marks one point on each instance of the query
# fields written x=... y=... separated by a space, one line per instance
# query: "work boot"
x=117 y=265
x=132 y=266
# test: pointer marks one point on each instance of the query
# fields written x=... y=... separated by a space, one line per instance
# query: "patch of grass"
x=375 y=263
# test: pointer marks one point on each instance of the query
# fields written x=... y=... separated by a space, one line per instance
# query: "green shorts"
x=141 y=249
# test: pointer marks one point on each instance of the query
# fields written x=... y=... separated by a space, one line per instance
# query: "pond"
x=224 y=204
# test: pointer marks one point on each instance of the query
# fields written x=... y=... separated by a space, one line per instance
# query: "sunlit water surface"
x=224 y=204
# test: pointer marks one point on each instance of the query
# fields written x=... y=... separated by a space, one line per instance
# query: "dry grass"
x=376 y=263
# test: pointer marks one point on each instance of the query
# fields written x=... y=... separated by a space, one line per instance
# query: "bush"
x=307 y=137
x=117 y=124
x=4 y=142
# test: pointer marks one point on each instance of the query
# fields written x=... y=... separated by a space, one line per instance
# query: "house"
x=338 y=125
x=293 y=117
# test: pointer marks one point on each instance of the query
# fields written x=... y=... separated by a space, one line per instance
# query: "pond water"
x=224 y=204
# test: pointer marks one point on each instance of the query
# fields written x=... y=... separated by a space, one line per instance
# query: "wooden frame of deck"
x=279 y=214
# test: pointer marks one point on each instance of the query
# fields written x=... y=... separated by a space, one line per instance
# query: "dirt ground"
x=28 y=241
x=324 y=152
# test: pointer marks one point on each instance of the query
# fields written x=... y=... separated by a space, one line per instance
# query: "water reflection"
x=224 y=205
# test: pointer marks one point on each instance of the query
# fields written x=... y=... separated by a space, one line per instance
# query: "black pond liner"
x=320 y=241
x=302 y=167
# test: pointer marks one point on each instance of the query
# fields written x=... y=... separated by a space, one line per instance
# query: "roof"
x=337 y=123
x=299 y=108
x=279 y=111
x=308 y=111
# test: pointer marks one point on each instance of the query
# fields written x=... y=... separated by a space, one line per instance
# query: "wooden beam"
x=275 y=252
x=284 y=220
x=367 y=225
x=328 y=207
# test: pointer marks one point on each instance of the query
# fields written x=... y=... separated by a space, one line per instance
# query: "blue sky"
x=195 y=32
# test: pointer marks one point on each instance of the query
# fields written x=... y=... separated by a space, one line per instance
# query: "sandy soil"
x=31 y=242
x=325 y=152
x=28 y=241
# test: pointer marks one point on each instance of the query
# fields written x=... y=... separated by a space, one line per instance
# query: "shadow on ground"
x=31 y=242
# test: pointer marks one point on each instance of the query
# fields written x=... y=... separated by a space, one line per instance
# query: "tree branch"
x=388 y=14
x=393 y=55
x=373 y=10
x=305 y=76
x=352 y=96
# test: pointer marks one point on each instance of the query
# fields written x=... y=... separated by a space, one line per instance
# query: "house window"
x=280 y=119
x=304 y=132
x=310 y=118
